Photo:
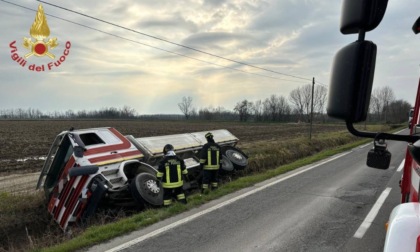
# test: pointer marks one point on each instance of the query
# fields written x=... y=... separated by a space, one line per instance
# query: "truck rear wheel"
x=227 y=165
x=237 y=157
x=145 y=190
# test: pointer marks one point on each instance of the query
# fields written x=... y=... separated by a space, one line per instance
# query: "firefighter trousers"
x=210 y=178
x=177 y=193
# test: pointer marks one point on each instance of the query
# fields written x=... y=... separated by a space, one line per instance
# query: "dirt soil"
x=26 y=143
x=19 y=183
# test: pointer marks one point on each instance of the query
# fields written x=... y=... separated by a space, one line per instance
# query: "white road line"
x=372 y=214
x=363 y=146
x=401 y=166
x=399 y=131
x=211 y=209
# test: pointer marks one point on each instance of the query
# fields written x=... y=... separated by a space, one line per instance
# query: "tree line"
x=298 y=106
x=302 y=104
x=125 y=112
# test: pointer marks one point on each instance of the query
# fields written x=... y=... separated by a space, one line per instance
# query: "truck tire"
x=227 y=165
x=237 y=157
x=145 y=190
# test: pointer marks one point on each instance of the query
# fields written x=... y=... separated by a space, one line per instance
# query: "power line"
x=154 y=47
x=170 y=42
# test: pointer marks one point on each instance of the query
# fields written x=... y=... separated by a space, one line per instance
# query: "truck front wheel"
x=145 y=190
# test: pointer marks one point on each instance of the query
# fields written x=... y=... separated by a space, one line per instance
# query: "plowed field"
x=25 y=143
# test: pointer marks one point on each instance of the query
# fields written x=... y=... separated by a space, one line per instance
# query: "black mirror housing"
x=361 y=15
x=416 y=26
x=351 y=81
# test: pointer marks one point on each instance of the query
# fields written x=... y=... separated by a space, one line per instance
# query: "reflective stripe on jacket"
x=170 y=171
x=210 y=156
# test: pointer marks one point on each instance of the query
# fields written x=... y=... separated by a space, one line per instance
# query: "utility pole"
x=312 y=108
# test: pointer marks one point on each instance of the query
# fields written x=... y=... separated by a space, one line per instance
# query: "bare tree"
x=186 y=106
x=295 y=97
x=398 y=111
x=127 y=112
x=243 y=108
x=283 y=108
x=320 y=98
x=301 y=100
x=383 y=97
x=276 y=107
x=271 y=107
x=375 y=106
x=258 y=110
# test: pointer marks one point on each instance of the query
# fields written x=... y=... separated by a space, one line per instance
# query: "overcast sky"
x=108 y=66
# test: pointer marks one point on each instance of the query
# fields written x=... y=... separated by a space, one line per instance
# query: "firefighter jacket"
x=170 y=171
x=210 y=157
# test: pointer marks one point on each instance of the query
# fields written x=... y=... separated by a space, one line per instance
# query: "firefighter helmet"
x=209 y=135
x=167 y=148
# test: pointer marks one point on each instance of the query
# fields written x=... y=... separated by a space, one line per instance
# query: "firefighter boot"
x=167 y=203
x=205 y=189
x=181 y=198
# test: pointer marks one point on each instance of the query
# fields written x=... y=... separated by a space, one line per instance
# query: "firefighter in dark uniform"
x=170 y=172
x=210 y=161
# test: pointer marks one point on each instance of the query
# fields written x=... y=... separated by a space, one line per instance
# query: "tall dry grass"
x=269 y=154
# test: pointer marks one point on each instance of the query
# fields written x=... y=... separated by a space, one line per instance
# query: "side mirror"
x=351 y=81
x=379 y=157
x=361 y=15
x=416 y=26
x=415 y=151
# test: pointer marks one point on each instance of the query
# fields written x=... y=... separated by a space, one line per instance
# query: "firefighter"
x=170 y=172
x=210 y=162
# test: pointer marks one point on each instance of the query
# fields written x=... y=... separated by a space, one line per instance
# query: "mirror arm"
x=381 y=135
x=361 y=35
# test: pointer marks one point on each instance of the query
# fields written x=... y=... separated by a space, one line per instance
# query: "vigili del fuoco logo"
x=40 y=45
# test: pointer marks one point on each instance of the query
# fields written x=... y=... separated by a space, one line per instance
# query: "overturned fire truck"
x=87 y=167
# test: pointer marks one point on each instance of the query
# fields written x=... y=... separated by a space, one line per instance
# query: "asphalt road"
x=320 y=207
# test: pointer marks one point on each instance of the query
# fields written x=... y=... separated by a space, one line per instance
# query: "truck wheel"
x=145 y=190
x=238 y=159
x=227 y=165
